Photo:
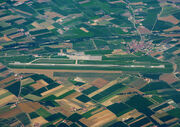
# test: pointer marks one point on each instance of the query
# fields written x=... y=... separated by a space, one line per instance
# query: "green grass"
x=55 y=61
x=23 y=59
x=77 y=33
x=98 y=52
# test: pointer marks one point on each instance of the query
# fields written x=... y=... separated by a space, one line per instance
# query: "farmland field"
x=111 y=90
x=89 y=63
x=155 y=86
x=42 y=112
x=119 y=109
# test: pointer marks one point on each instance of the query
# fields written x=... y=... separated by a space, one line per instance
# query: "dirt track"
x=50 y=72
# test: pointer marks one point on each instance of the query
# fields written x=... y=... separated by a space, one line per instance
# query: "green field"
x=155 y=86
x=169 y=10
x=140 y=103
x=113 y=90
x=90 y=90
x=88 y=113
x=23 y=118
x=23 y=59
x=175 y=112
x=55 y=61
x=42 y=112
x=119 y=109
x=5 y=95
x=83 y=98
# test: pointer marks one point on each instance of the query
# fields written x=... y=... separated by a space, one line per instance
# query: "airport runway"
x=88 y=65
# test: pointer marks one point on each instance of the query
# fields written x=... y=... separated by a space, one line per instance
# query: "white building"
x=79 y=56
x=84 y=57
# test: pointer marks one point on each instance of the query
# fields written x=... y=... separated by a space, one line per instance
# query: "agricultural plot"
x=176 y=84
x=84 y=106
x=55 y=117
x=175 y=112
x=150 y=18
x=14 y=88
x=90 y=90
x=155 y=86
x=4 y=93
x=23 y=118
x=27 y=81
x=108 y=92
x=162 y=25
x=141 y=122
x=169 y=10
x=22 y=59
x=33 y=115
x=42 y=112
x=119 y=109
x=39 y=120
x=158 y=99
x=134 y=84
x=99 y=119
x=140 y=104
x=83 y=98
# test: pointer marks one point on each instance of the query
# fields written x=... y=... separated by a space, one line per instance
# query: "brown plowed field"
x=10 y=113
x=7 y=79
x=169 y=78
x=29 y=106
x=99 y=119
x=99 y=82
x=170 y=19
x=172 y=29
